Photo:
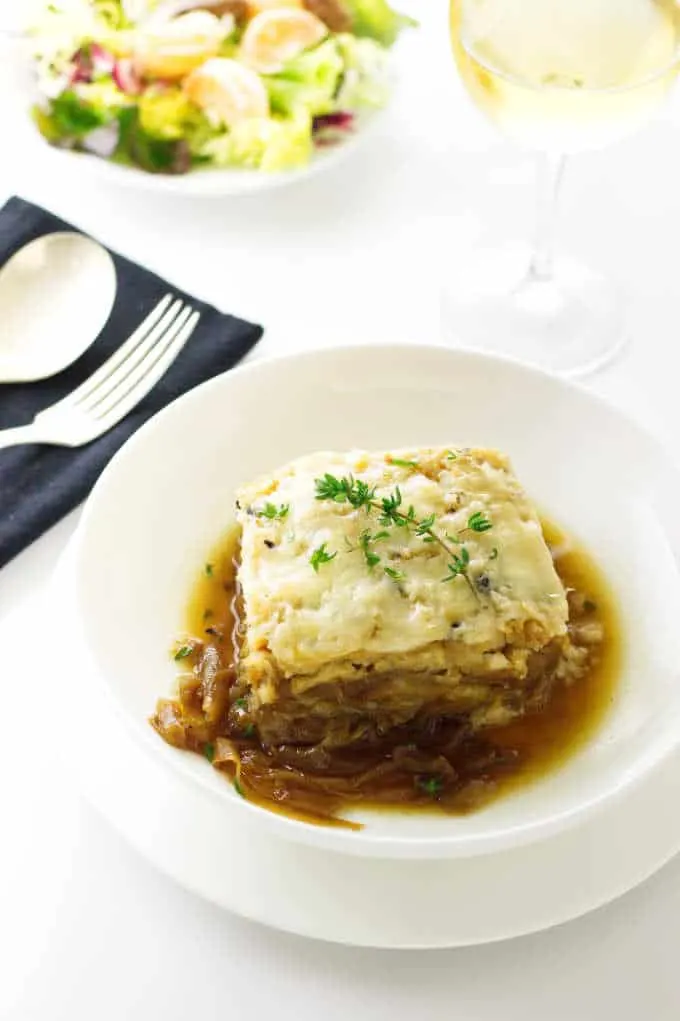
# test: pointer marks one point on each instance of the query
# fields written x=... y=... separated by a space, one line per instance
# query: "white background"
x=87 y=928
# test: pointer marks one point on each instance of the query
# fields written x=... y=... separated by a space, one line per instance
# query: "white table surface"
x=88 y=930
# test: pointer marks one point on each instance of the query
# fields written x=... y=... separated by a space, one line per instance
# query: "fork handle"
x=22 y=434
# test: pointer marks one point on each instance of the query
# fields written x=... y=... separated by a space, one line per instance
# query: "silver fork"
x=117 y=386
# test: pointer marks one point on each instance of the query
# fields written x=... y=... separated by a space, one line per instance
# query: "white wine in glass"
x=558 y=76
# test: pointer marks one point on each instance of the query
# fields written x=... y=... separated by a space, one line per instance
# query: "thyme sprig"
x=359 y=494
x=321 y=556
x=273 y=512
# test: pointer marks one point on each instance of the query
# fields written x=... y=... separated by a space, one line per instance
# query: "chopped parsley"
x=209 y=751
x=183 y=652
x=404 y=464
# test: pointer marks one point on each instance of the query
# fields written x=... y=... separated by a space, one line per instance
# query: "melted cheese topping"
x=312 y=625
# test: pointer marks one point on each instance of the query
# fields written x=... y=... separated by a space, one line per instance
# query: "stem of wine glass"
x=550 y=173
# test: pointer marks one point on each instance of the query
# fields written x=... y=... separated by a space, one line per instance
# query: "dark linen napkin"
x=39 y=484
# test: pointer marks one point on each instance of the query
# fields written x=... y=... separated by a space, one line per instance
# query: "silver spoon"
x=56 y=294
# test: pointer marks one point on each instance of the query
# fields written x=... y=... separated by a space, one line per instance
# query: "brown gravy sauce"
x=544 y=740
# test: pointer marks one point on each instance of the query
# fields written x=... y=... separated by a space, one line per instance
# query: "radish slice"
x=126 y=78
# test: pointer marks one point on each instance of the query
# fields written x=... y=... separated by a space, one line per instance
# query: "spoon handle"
x=22 y=434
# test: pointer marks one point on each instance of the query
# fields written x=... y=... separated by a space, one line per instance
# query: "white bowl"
x=166 y=498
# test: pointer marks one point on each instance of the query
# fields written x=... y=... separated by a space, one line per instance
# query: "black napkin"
x=40 y=484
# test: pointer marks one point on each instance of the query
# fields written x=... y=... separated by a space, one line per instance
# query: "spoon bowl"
x=56 y=294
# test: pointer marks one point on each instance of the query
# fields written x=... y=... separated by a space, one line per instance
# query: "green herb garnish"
x=321 y=556
x=237 y=787
x=240 y=703
x=358 y=494
x=494 y=553
x=183 y=652
x=249 y=731
x=365 y=540
x=424 y=527
x=404 y=464
x=209 y=570
x=478 y=523
x=432 y=785
x=458 y=565
x=209 y=751
x=345 y=490
x=392 y=573
x=450 y=456
x=273 y=512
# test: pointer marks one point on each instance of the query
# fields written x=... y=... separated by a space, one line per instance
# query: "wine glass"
x=558 y=76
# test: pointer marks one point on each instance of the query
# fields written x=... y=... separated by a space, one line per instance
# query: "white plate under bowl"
x=244 y=868
x=166 y=498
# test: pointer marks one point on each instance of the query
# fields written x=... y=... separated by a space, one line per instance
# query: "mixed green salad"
x=168 y=86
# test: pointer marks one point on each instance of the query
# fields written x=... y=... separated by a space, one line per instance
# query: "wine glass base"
x=571 y=324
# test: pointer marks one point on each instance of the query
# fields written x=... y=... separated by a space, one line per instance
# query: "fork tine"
x=128 y=366
x=148 y=374
x=102 y=373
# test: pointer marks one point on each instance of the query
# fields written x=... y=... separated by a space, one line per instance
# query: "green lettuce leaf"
x=366 y=81
x=264 y=143
x=309 y=82
x=70 y=116
x=376 y=20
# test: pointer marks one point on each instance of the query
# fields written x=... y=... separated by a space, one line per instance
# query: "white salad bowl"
x=167 y=497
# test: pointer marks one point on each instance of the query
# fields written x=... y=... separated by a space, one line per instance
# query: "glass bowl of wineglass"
x=558 y=76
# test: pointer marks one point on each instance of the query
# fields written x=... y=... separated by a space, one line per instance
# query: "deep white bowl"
x=166 y=498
